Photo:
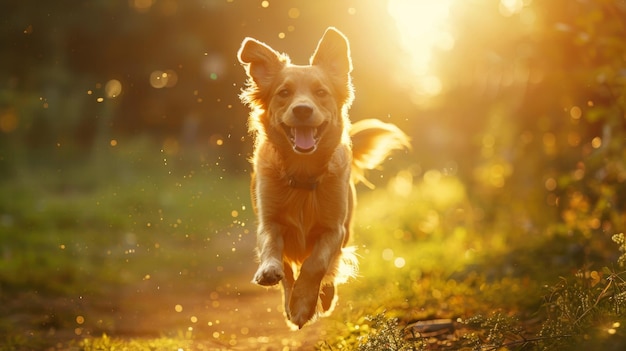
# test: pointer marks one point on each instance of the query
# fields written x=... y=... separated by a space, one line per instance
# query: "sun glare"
x=422 y=25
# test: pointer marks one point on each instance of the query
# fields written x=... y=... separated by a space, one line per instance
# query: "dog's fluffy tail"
x=372 y=141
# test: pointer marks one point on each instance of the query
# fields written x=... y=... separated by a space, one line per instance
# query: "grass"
x=73 y=231
x=500 y=289
x=89 y=250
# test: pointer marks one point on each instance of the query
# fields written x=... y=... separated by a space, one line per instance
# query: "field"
x=125 y=219
x=132 y=248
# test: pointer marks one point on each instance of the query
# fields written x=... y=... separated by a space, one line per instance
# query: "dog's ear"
x=333 y=53
x=261 y=62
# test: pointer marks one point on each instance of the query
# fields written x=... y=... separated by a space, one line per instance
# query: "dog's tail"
x=372 y=141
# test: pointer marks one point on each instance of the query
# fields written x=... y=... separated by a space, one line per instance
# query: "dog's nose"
x=302 y=112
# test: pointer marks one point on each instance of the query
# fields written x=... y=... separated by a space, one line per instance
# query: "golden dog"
x=307 y=158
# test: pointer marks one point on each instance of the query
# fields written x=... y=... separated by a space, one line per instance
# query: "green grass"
x=84 y=230
x=429 y=256
x=76 y=237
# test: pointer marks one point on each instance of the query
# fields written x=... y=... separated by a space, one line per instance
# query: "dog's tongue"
x=304 y=138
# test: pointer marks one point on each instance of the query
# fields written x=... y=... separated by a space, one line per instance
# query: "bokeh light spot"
x=387 y=254
x=141 y=6
x=8 y=121
x=113 y=88
x=550 y=184
x=158 y=79
x=80 y=319
x=596 y=142
x=575 y=112
x=293 y=13
x=163 y=79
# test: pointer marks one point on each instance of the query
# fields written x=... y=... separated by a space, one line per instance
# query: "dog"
x=306 y=161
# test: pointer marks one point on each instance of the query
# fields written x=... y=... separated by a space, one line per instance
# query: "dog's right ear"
x=261 y=62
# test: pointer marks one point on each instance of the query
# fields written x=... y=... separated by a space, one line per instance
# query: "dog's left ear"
x=333 y=53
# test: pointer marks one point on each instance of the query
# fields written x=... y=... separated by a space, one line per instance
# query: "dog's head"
x=302 y=107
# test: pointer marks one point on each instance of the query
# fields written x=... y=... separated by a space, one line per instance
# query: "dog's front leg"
x=306 y=289
x=270 y=251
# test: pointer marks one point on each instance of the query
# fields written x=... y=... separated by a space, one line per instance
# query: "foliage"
x=388 y=335
x=105 y=342
x=620 y=240
x=517 y=178
x=585 y=309
x=578 y=307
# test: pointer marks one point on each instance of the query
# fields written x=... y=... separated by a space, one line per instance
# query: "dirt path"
x=249 y=319
x=228 y=318
x=222 y=311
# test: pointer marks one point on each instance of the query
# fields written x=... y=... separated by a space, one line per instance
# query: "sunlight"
x=422 y=27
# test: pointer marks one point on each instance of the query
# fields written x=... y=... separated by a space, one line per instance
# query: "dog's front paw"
x=269 y=273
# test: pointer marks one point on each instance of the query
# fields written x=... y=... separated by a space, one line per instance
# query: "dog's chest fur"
x=305 y=214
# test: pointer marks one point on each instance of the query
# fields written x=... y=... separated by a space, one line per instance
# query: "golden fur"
x=307 y=158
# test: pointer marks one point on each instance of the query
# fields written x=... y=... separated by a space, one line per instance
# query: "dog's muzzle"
x=304 y=139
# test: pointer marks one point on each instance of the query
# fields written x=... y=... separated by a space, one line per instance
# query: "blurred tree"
x=530 y=115
x=543 y=108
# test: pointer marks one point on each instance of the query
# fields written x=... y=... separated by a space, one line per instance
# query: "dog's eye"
x=321 y=92
x=284 y=93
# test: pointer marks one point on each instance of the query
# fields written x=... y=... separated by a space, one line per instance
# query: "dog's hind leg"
x=287 y=282
x=327 y=297
x=306 y=290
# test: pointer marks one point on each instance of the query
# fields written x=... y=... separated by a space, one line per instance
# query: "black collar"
x=306 y=184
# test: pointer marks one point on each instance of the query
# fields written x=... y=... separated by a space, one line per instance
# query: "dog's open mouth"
x=304 y=139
